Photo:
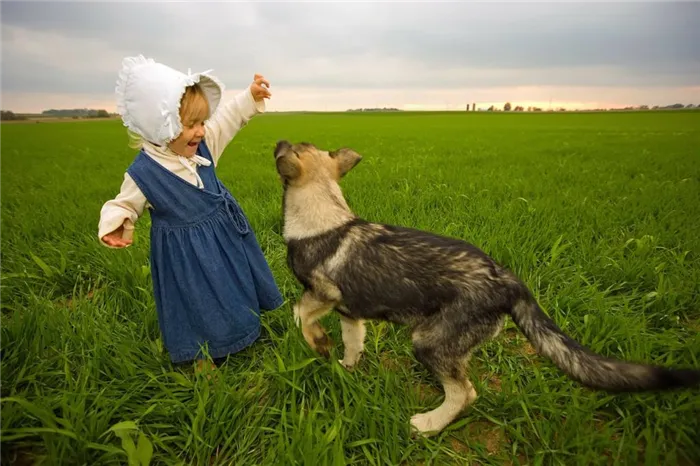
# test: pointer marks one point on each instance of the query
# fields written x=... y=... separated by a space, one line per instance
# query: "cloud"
x=34 y=60
x=76 y=47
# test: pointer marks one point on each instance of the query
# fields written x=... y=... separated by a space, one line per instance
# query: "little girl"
x=210 y=278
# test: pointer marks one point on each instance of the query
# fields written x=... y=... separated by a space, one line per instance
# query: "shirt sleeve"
x=229 y=118
x=125 y=209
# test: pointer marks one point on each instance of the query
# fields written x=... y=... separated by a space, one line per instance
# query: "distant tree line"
x=7 y=115
x=507 y=107
x=383 y=109
x=76 y=112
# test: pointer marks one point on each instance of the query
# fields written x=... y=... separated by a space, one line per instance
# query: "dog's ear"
x=289 y=166
x=346 y=159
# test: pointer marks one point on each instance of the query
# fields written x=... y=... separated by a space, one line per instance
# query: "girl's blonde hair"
x=194 y=107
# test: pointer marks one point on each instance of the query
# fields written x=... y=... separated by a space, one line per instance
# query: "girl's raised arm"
x=233 y=115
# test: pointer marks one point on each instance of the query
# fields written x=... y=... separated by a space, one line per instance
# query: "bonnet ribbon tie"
x=198 y=160
x=190 y=76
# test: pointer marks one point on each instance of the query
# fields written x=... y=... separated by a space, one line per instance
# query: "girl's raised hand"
x=259 y=88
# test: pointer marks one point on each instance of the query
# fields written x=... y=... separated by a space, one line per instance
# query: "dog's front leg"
x=353 y=339
x=307 y=312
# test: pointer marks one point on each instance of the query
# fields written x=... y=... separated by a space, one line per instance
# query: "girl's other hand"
x=115 y=239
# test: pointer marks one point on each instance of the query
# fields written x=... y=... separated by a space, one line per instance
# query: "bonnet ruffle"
x=149 y=94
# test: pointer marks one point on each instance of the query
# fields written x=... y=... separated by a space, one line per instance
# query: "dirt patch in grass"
x=493 y=439
x=492 y=382
x=522 y=461
x=511 y=334
x=527 y=349
x=394 y=362
x=68 y=301
x=513 y=338
x=426 y=393
x=21 y=457
x=488 y=434
x=458 y=445
x=693 y=325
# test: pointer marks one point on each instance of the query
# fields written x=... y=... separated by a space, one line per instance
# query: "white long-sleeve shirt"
x=128 y=206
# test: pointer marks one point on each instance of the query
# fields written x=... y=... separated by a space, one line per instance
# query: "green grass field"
x=598 y=213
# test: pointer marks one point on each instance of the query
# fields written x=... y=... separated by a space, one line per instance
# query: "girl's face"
x=194 y=109
x=187 y=142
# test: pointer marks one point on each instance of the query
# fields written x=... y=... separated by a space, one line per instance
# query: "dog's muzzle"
x=281 y=148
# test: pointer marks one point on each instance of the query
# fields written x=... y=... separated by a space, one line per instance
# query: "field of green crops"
x=598 y=213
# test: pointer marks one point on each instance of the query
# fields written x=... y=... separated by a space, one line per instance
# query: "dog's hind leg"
x=353 y=339
x=307 y=312
x=445 y=351
x=459 y=391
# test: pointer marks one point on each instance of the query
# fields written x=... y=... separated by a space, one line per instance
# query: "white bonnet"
x=149 y=94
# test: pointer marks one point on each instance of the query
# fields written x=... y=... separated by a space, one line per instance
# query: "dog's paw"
x=350 y=359
x=347 y=365
x=423 y=424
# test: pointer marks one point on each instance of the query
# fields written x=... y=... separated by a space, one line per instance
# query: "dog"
x=451 y=294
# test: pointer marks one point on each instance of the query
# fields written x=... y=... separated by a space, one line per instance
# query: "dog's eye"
x=296 y=153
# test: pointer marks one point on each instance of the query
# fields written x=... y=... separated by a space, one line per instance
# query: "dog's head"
x=302 y=163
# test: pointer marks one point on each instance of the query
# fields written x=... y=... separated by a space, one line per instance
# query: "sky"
x=332 y=56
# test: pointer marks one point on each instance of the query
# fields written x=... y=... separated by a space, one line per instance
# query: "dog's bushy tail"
x=588 y=368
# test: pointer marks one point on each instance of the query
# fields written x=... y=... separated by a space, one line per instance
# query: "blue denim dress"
x=210 y=277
